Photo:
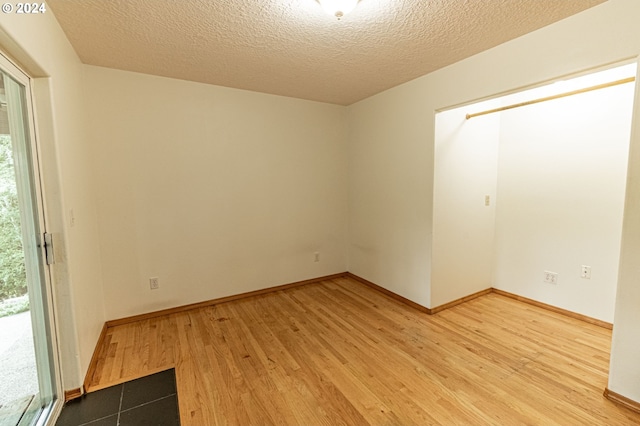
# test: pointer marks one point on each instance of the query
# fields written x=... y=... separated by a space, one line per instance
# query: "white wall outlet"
x=585 y=272
x=154 y=283
x=550 y=277
x=487 y=200
x=316 y=256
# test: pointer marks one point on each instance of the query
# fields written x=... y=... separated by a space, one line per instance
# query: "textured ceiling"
x=290 y=47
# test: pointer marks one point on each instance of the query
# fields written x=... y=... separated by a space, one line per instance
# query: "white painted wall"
x=391 y=176
x=392 y=137
x=215 y=191
x=624 y=372
x=391 y=157
x=561 y=183
x=390 y=179
x=465 y=171
x=41 y=47
x=561 y=180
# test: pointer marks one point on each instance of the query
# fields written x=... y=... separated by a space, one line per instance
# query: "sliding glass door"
x=27 y=366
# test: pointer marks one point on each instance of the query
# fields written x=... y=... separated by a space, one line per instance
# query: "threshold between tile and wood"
x=89 y=387
x=151 y=399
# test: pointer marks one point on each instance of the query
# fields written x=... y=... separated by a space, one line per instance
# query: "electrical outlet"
x=550 y=277
x=316 y=256
x=585 y=272
x=487 y=200
x=154 y=283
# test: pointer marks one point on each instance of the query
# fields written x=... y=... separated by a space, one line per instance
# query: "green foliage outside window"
x=13 y=280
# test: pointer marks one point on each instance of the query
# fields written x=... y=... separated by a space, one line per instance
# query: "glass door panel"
x=27 y=370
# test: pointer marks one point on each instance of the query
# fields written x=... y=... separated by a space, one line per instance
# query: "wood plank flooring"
x=341 y=353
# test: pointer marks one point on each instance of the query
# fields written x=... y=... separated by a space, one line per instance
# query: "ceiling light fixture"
x=338 y=8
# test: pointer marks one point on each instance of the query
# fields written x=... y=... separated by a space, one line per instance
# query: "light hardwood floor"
x=341 y=353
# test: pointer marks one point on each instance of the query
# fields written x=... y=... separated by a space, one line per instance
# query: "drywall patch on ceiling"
x=291 y=47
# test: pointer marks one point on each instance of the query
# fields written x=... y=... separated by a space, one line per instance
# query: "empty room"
x=319 y=212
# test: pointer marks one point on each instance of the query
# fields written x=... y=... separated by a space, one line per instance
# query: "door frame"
x=22 y=77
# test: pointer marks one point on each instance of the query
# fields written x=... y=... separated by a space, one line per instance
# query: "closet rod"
x=558 y=96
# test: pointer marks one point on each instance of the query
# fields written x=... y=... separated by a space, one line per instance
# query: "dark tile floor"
x=151 y=401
